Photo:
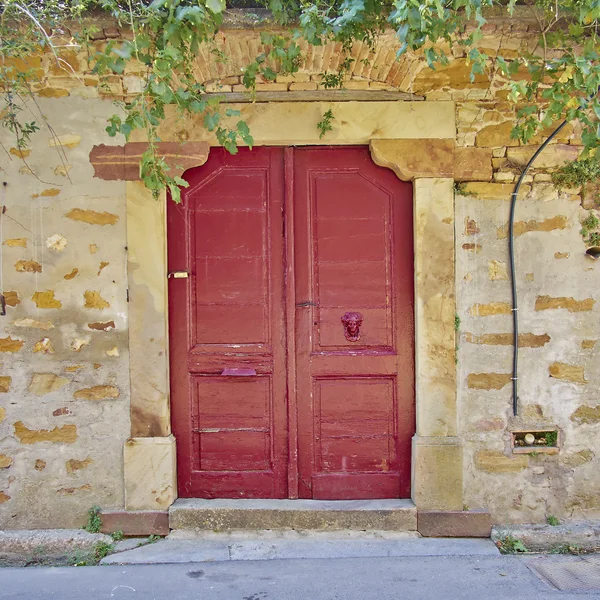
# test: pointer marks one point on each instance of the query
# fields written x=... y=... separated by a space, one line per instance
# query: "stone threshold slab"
x=232 y=514
x=177 y=551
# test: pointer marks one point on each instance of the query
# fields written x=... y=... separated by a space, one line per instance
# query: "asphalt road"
x=410 y=578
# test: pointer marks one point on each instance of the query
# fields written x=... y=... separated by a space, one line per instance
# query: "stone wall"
x=64 y=402
x=64 y=406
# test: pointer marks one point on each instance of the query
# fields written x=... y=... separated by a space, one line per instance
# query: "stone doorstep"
x=228 y=515
x=135 y=522
x=454 y=523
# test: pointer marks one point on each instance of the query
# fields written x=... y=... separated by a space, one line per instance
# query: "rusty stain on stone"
x=46 y=383
x=73 y=368
x=72 y=274
x=70 y=491
x=7 y=344
x=586 y=415
x=94 y=300
x=92 y=217
x=5 y=381
x=588 y=344
x=471 y=226
x=67 y=434
x=526 y=340
x=488 y=381
x=4 y=498
x=46 y=299
x=44 y=346
x=521 y=227
x=73 y=465
x=11 y=298
x=492 y=308
x=33 y=324
x=28 y=266
x=529 y=277
x=561 y=255
x=61 y=412
x=39 y=465
x=2 y=414
x=572 y=305
x=102 y=326
x=103 y=265
x=471 y=247
x=5 y=461
x=93 y=248
x=492 y=461
x=15 y=242
x=98 y=392
x=572 y=373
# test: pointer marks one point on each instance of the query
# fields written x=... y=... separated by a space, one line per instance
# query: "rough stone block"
x=454 y=523
x=437 y=473
x=472 y=164
x=139 y=522
x=150 y=473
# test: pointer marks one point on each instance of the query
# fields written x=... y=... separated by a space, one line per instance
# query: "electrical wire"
x=511 y=253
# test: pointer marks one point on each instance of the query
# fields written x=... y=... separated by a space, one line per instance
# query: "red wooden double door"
x=291 y=341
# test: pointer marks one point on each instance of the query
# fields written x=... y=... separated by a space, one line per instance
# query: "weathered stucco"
x=83 y=370
x=66 y=405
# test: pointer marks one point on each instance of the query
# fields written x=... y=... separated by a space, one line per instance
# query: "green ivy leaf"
x=215 y=6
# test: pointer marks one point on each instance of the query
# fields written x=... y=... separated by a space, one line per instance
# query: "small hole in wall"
x=530 y=441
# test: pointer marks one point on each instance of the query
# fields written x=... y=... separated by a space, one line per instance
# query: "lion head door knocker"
x=352 y=322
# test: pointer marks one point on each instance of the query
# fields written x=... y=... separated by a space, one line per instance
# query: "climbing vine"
x=557 y=78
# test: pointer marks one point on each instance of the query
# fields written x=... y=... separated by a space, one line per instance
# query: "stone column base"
x=150 y=473
x=437 y=473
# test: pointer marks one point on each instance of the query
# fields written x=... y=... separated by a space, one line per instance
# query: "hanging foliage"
x=557 y=79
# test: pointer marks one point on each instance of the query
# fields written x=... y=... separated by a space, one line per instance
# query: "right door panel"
x=354 y=325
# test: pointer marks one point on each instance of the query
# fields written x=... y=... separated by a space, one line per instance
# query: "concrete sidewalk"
x=185 y=547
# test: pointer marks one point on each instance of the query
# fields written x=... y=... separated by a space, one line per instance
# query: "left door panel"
x=227 y=336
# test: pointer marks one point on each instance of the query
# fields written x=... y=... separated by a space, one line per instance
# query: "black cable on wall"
x=511 y=253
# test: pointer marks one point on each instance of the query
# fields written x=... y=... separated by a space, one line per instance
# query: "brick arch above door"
x=390 y=128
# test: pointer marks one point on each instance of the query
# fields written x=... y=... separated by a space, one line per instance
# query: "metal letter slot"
x=178 y=275
x=237 y=372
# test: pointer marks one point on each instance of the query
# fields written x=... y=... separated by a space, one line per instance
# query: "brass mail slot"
x=178 y=275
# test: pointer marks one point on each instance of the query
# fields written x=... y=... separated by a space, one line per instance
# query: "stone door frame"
x=417 y=141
